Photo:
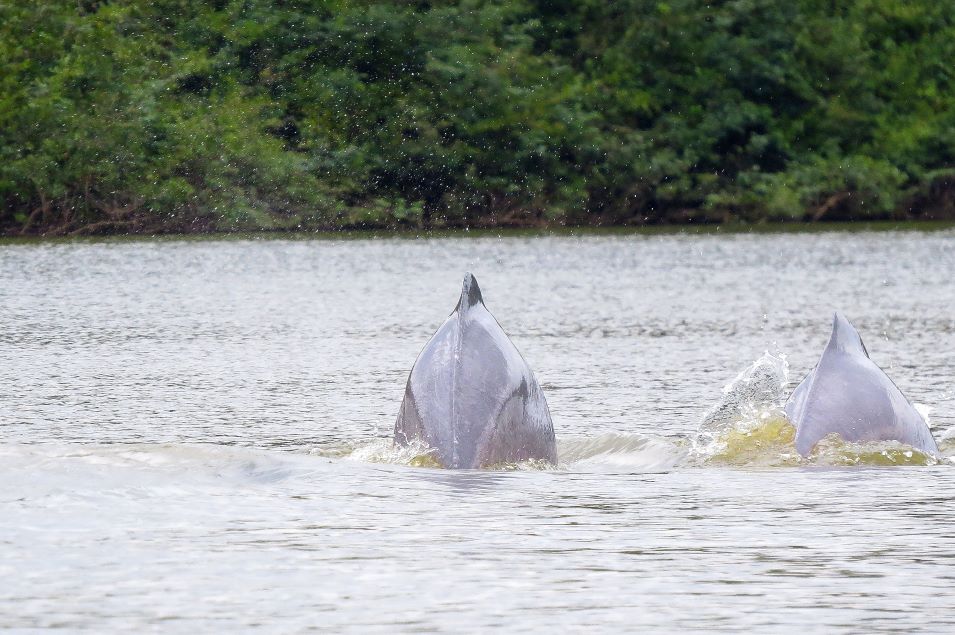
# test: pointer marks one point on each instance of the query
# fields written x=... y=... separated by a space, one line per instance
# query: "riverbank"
x=72 y=218
x=501 y=232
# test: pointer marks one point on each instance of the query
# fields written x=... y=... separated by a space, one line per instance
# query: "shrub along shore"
x=171 y=116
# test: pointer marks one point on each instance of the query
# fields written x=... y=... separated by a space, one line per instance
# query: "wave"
x=745 y=428
x=606 y=451
x=386 y=451
x=620 y=451
x=52 y=469
x=748 y=428
x=767 y=441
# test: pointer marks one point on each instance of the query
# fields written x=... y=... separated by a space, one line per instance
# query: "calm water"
x=194 y=435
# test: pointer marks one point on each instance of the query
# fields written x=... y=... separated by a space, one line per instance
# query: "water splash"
x=765 y=440
x=946 y=442
x=745 y=428
x=834 y=451
x=614 y=451
x=769 y=443
x=416 y=454
x=387 y=451
x=754 y=396
x=748 y=428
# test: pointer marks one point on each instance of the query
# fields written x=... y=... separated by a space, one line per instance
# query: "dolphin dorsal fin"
x=845 y=337
x=470 y=294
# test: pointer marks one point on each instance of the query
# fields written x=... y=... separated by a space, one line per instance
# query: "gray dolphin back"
x=847 y=394
x=471 y=397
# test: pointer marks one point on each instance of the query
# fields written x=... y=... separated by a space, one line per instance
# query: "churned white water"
x=195 y=436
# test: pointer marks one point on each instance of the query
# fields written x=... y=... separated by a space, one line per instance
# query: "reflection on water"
x=195 y=435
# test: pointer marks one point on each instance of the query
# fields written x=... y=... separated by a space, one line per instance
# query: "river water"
x=195 y=435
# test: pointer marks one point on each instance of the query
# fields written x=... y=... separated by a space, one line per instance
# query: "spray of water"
x=748 y=414
x=745 y=428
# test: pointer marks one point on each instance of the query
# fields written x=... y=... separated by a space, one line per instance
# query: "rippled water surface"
x=195 y=435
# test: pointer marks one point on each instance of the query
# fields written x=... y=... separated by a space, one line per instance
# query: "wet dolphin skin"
x=847 y=394
x=471 y=397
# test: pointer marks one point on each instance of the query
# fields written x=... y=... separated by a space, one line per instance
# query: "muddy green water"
x=194 y=436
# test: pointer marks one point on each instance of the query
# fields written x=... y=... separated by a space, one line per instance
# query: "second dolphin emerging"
x=471 y=397
x=847 y=394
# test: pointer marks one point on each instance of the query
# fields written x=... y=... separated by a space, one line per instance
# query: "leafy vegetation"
x=172 y=115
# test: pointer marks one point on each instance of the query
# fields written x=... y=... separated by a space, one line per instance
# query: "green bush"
x=168 y=115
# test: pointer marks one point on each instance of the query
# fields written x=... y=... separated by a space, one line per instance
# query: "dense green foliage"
x=172 y=115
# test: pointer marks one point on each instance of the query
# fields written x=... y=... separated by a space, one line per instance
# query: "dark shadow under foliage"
x=173 y=115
